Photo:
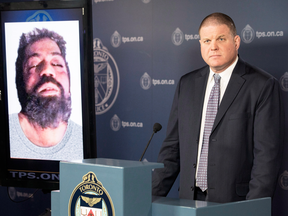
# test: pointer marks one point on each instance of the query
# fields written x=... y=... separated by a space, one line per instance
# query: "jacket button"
x=194 y=165
x=214 y=140
x=192 y=188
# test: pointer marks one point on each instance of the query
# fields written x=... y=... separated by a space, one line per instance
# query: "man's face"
x=43 y=58
x=47 y=85
x=219 y=48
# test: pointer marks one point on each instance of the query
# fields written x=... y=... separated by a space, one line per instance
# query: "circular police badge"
x=115 y=123
x=145 y=81
x=39 y=16
x=248 y=34
x=106 y=78
x=177 y=37
x=284 y=82
x=115 y=39
x=90 y=198
x=283 y=180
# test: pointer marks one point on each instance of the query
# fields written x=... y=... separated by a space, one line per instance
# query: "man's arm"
x=268 y=140
x=163 y=178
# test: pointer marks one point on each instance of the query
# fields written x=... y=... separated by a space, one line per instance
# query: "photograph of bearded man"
x=43 y=128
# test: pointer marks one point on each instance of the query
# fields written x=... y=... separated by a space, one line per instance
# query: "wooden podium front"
x=108 y=187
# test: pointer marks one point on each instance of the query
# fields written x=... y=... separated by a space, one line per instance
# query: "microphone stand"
x=147 y=145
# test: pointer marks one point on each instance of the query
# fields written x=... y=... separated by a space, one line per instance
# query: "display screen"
x=32 y=127
x=43 y=70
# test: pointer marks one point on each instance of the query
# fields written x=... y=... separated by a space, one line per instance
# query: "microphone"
x=157 y=127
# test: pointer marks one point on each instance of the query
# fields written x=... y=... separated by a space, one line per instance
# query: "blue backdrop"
x=141 y=49
x=153 y=43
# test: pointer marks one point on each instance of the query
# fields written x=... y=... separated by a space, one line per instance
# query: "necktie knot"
x=217 y=78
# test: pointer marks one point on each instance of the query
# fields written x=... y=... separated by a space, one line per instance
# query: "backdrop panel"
x=155 y=42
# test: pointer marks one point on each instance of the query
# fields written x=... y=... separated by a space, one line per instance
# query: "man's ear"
x=237 y=41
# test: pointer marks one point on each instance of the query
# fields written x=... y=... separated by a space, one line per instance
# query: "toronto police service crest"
x=106 y=78
x=90 y=198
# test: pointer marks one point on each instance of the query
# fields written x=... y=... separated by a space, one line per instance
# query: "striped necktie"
x=212 y=108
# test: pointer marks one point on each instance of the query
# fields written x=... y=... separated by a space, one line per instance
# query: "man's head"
x=219 y=41
x=43 y=78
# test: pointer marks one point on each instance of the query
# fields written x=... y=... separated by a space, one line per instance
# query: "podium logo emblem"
x=90 y=198
x=106 y=78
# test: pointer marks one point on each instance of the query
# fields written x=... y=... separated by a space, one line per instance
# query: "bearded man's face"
x=47 y=84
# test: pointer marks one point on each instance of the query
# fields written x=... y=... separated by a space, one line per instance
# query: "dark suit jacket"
x=245 y=142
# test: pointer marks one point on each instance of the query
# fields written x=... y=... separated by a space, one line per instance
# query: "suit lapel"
x=200 y=86
x=235 y=84
x=198 y=96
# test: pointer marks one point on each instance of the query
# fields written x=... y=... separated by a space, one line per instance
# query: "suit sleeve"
x=268 y=140
x=164 y=178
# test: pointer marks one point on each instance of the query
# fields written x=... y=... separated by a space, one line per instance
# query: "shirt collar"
x=226 y=74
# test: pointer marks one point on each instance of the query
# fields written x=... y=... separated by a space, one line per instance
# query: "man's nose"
x=214 y=45
x=47 y=70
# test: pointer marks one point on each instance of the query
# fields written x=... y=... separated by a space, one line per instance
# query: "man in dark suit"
x=244 y=144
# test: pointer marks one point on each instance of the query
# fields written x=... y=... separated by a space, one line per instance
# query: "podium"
x=111 y=187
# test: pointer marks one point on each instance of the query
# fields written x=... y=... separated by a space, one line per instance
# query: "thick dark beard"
x=50 y=111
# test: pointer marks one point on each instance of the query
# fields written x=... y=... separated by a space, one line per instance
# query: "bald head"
x=219 y=19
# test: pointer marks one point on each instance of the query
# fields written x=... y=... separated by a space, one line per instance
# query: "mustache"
x=48 y=79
